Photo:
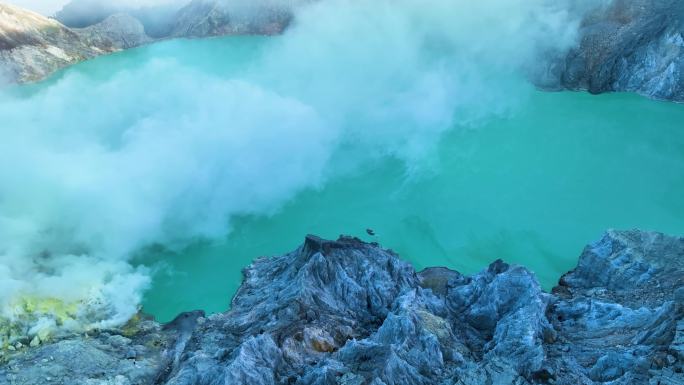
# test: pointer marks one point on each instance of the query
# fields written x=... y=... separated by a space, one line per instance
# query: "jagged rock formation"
x=625 y=300
x=349 y=312
x=33 y=46
x=632 y=45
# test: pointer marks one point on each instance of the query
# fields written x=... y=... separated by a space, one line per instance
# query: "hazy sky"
x=46 y=7
x=50 y=7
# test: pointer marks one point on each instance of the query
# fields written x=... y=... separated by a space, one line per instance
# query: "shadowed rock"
x=349 y=312
x=631 y=45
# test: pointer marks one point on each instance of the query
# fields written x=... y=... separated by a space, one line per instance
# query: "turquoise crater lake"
x=531 y=189
x=530 y=185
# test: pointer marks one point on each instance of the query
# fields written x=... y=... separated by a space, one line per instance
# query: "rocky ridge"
x=626 y=45
x=630 y=45
x=202 y=18
x=33 y=47
x=349 y=312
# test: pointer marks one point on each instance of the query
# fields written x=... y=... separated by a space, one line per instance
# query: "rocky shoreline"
x=626 y=46
x=349 y=312
x=33 y=47
x=629 y=46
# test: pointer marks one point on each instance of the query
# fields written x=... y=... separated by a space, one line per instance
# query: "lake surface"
x=531 y=185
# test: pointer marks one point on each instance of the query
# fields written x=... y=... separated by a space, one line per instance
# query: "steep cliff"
x=33 y=46
x=201 y=18
x=349 y=312
x=632 y=45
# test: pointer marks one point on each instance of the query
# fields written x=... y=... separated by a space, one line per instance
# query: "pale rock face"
x=16 y=23
x=33 y=46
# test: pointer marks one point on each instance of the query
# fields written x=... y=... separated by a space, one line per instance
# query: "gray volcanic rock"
x=32 y=46
x=116 y=32
x=349 y=312
x=632 y=45
x=84 y=13
x=134 y=354
x=157 y=19
x=628 y=45
x=201 y=18
x=619 y=314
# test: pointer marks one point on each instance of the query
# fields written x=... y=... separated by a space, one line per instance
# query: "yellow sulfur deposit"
x=42 y=314
x=61 y=311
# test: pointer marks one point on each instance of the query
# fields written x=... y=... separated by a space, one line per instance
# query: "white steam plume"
x=92 y=171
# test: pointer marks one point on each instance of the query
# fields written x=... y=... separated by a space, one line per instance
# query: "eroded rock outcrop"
x=630 y=45
x=33 y=46
x=619 y=314
x=349 y=312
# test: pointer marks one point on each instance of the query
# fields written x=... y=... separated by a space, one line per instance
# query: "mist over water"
x=183 y=161
x=532 y=188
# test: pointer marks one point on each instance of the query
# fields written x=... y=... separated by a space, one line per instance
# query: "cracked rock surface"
x=349 y=312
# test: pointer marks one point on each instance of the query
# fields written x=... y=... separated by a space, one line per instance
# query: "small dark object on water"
x=370 y=232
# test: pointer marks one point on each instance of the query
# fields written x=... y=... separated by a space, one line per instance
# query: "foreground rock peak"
x=350 y=312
